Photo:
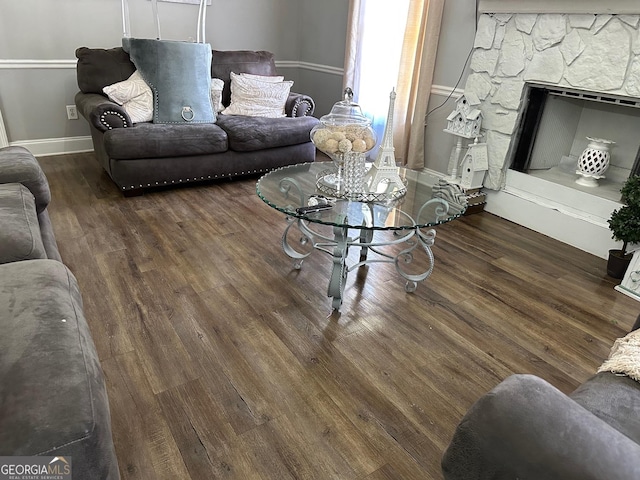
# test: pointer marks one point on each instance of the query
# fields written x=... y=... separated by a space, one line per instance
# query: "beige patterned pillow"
x=257 y=97
x=264 y=78
x=134 y=95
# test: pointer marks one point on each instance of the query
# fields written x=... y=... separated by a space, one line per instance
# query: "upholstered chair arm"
x=18 y=165
x=526 y=428
x=101 y=112
x=299 y=105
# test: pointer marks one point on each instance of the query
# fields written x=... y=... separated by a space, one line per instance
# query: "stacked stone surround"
x=599 y=53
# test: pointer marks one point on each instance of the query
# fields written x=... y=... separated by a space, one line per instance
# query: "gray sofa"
x=53 y=400
x=526 y=429
x=143 y=155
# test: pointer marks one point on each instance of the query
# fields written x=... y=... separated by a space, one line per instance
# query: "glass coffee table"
x=408 y=212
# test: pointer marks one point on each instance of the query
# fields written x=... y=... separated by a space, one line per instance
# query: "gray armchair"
x=526 y=429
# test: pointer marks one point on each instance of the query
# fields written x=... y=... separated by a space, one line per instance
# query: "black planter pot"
x=618 y=263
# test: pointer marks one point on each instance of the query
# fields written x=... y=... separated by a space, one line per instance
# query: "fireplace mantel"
x=621 y=7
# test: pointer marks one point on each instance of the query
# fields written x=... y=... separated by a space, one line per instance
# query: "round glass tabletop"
x=423 y=202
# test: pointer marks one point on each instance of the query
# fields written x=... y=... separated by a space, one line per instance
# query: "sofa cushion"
x=153 y=140
x=52 y=393
x=20 y=237
x=614 y=399
x=99 y=67
x=247 y=134
x=240 y=61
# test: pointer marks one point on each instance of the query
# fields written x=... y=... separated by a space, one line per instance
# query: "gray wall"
x=322 y=42
x=306 y=36
x=38 y=40
x=456 y=40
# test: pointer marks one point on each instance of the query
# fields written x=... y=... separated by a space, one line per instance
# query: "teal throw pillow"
x=179 y=75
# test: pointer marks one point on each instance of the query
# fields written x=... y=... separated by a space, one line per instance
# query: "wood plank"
x=224 y=361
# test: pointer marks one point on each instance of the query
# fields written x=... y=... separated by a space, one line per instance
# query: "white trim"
x=433 y=173
x=310 y=66
x=192 y=2
x=71 y=64
x=36 y=64
x=56 y=146
x=4 y=141
x=559 y=6
x=445 y=91
x=627 y=292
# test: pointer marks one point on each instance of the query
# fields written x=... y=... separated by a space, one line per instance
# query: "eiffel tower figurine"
x=384 y=168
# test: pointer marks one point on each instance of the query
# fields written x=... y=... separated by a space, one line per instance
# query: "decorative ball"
x=370 y=142
x=338 y=136
x=359 y=145
x=344 y=145
x=330 y=146
x=340 y=139
x=321 y=136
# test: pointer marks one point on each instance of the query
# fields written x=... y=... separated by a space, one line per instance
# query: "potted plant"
x=625 y=225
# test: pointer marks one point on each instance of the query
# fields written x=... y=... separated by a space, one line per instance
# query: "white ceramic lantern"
x=594 y=161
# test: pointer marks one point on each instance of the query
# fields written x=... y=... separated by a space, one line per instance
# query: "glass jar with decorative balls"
x=345 y=135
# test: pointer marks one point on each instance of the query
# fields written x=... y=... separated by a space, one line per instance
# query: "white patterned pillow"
x=134 y=95
x=256 y=97
x=217 y=85
x=264 y=78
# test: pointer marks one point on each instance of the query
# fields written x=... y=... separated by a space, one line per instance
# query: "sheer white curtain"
x=393 y=44
x=4 y=141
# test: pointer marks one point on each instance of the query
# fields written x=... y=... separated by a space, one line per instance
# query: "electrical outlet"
x=72 y=112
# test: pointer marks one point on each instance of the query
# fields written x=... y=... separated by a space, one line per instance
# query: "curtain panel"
x=415 y=75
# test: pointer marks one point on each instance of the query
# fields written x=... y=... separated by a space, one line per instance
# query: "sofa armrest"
x=18 y=165
x=525 y=428
x=299 y=105
x=101 y=112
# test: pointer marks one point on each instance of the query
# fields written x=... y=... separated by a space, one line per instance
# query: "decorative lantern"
x=594 y=161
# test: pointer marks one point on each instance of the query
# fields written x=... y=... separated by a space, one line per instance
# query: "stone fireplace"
x=588 y=66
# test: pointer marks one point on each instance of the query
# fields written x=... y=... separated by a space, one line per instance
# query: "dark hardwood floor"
x=222 y=361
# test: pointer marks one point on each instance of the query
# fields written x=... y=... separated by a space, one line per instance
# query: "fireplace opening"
x=554 y=123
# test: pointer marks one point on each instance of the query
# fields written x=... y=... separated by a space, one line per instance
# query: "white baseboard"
x=56 y=146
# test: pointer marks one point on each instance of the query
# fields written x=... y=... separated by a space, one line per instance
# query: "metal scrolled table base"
x=338 y=248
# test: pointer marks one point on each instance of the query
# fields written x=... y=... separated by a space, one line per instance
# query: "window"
x=380 y=46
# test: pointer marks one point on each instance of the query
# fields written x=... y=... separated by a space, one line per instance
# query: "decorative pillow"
x=257 y=98
x=223 y=62
x=264 y=78
x=134 y=95
x=217 y=86
x=179 y=74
